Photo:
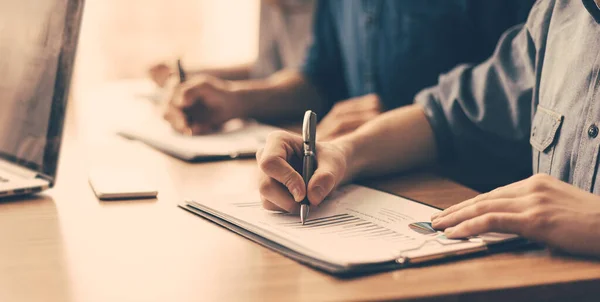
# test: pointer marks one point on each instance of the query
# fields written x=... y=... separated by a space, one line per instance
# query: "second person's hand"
x=201 y=105
x=541 y=208
x=281 y=185
x=346 y=116
x=160 y=73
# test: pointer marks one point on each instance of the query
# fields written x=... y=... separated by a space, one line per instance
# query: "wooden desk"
x=66 y=245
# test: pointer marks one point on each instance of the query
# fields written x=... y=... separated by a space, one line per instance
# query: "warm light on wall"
x=120 y=39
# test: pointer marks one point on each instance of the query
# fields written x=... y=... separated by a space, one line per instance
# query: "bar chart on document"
x=346 y=228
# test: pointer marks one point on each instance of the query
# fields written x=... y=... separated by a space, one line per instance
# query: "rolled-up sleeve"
x=322 y=66
x=486 y=108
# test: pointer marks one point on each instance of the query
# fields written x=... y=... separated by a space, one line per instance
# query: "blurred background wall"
x=122 y=38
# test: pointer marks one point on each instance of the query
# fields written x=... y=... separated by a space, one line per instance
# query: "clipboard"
x=317 y=264
x=345 y=271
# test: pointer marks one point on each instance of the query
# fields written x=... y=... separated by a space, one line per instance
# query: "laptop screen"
x=37 y=47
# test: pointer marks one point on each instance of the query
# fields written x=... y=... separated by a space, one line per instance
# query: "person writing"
x=534 y=98
x=366 y=57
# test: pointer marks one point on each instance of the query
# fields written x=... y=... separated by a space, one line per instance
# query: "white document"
x=145 y=123
x=238 y=138
x=356 y=225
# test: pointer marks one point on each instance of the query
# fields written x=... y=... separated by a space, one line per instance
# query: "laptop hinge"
x=17 y=170
x=45 y=177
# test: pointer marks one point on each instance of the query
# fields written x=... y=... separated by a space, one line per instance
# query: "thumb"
x=323 y=181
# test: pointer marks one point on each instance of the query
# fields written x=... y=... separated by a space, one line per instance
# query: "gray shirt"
x=284 y=35
x=536 y=99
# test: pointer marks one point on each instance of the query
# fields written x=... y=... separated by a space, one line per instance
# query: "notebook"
x=356 y=230
x=144 y=122
x=237 y=139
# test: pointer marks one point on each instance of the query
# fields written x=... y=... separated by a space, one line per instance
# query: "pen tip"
x=303 y=213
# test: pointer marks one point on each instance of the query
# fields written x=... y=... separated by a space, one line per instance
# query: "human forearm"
x=232 y=73
x=284 y=95
x=396 y=141
x=160 y=73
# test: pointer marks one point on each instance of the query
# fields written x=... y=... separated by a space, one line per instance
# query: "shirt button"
x=593 y=131
x=370 y=19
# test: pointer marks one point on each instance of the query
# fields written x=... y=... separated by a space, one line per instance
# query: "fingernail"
x=449 y=231
x=296 y=194
x=434 y=216
x=319 y=193
x=435 y=222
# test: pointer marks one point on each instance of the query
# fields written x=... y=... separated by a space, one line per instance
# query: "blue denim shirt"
x=537 y=98
x=395 y=48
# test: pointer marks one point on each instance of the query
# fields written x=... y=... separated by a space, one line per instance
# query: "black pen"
x=182 y=76
x=182 y=79
x=309 y=133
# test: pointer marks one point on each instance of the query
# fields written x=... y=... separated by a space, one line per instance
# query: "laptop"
x=37 y=52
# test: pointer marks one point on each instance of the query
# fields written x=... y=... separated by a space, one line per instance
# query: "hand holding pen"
x=282 y=186
x=200 y=104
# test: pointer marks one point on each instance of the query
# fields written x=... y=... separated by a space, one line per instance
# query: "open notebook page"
x=356 y=225
x=144 y=122
x=237 y=137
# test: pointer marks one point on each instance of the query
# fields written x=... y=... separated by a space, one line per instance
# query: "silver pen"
x=309 y=133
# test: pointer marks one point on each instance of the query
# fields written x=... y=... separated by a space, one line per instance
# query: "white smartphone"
x=112 y=183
